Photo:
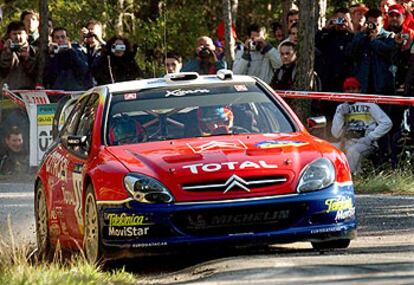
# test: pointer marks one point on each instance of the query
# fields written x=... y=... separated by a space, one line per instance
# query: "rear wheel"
x=332 y=244
x=92 y=238
x=42 y=224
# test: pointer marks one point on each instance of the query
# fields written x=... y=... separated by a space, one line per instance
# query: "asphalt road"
x=383 y=253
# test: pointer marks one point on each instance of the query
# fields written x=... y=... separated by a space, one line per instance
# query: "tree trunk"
x=234 y=10
x=322 y=5
x=229 y=48
x=287 y=5
x=306 y=54
x=43 y=40
x=119 y=24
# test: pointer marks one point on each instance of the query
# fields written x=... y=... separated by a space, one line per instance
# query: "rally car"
x=152 y=165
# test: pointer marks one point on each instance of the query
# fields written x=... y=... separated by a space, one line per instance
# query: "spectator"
x=116 y=63
x=404 y=38
x=173 y=62
x=91 y=38
x=18 y=58
x=358 y=126
x=358 y=17
x=206 y=61
x=277 y=33
x=332 y=42
x=372 y=51
x=14 y=159
x=219 y=49
x=66 y=66
x=293 y=35
x=284 y=77
x=292 y=18
x=31 y=22
x=258 y=57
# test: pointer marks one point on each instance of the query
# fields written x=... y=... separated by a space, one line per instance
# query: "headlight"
x=317 y=175
x=146 y=189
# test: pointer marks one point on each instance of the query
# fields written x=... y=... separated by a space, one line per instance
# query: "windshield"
x=174 y=113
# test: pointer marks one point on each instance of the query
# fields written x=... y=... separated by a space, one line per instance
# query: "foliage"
x=156 y=26
x=386 y=181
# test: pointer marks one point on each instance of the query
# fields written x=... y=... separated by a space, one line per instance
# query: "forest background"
x=160 y=26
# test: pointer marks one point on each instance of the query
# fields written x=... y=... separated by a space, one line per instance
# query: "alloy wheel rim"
x=91 y=230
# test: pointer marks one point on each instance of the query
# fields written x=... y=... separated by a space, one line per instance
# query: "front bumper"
x=322 y=215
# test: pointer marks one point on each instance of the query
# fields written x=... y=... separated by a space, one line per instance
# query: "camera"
x=371 y=26
x=118 y=48
x=339 y=21
x=88 y=35
x=14 y=47
x=253 y=46
x=204 y=53
x=404 y=36
x=59 y=48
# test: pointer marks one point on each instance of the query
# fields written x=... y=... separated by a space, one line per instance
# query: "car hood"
x=223 y=167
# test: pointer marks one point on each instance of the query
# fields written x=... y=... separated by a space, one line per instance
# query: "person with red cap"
x=400 y=23
x=358 y=126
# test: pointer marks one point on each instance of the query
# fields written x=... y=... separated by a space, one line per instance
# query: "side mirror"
x=316 y=122
x=75 y=141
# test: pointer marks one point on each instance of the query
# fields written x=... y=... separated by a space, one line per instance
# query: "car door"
x=77 y=165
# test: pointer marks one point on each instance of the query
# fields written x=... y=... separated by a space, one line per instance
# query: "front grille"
x=244 y=219
x=236 y=182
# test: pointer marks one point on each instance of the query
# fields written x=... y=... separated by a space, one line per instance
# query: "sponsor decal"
x=279 y=143
x=57 y=165
x=54 y=230
x=217 y=145
x=123 y=220
x=77 y=190
x=345 y=214
x=241 y=88
x=130 y=96
x=326 y=230
x=337 y=204
x=68 y=197
x=127 y=225
x=201 y=221
x=149 y=244
x=229 y=165
x=180 y=93
x=127 y=231
x=342 y=206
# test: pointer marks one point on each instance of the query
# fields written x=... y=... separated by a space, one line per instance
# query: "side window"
x=71 y=123
x=86 y=121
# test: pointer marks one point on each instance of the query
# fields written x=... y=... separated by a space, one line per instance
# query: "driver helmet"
x=125 y=130
x=215 y=120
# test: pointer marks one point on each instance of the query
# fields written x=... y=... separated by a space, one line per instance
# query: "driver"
x=125 y=130
x=215 y=120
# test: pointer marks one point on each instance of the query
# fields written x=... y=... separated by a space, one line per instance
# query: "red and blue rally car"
x=188 y=160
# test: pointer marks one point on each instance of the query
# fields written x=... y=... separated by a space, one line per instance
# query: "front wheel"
x=332 y=244
x=92 y=238
x=42 y=224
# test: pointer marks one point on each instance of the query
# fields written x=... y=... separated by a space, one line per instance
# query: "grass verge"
x=399 y=181
x=19 y=265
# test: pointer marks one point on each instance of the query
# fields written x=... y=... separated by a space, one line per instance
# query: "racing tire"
x=44 y=247
x=332 y=244
x=92 y=237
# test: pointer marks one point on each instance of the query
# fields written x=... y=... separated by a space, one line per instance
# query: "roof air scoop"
x=182 y=76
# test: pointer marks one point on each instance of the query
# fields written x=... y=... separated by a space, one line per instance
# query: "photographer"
x=206 y=61
x=66 y=66
x=18 y=58
x=91 y=39
x=258 y=57
x=331 y=42
x=372 y=52
x=358 y=126
x=116 y=63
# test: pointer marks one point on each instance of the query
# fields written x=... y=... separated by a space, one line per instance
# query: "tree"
x=44 y=39
x=228 y=34
x=306 y=54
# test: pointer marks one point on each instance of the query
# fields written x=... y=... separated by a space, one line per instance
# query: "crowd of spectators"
x=361 y=49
